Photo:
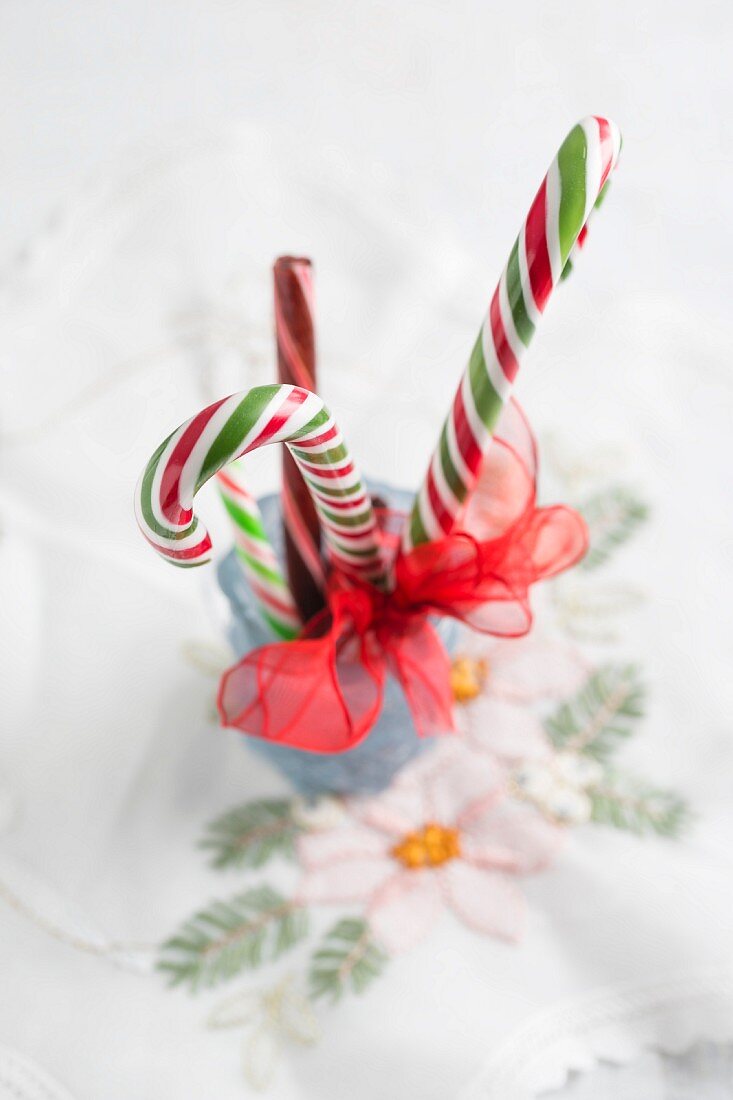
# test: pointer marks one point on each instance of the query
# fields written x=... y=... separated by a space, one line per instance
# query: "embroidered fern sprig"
x=219 y=942
x=251 y=834
x=628 y=803
x=613 y=516
x=348 y=959
x=602 y=714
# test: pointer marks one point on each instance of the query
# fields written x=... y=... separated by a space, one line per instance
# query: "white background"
x=459 y=103
x=441 y=116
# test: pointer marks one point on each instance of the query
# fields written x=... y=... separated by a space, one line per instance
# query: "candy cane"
x=555 y=221
x=230 y=428
x=256 y=555
x=296 y=365
x=583 y=235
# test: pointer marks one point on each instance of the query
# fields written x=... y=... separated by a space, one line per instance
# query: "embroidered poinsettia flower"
x=495 y=680
x=560 y=785
x=524 y=670
x=508 y=731
x=444 y=835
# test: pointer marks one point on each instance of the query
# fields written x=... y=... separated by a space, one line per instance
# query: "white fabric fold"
x=152 y=300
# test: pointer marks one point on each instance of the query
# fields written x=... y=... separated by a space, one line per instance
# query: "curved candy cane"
x=256 y=555
x=230 y=428
x=554 y=225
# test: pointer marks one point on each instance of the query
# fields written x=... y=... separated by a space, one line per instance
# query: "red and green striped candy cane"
x=555 y=225
x=256 y=555
x=232 y=427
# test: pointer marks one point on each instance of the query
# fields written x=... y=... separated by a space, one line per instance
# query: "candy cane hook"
x=229 y=428
x=555 y=222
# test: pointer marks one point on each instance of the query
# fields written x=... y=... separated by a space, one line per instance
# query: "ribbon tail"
x=420 y=664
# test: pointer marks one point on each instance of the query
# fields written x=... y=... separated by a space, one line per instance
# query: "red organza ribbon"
x=324 y=691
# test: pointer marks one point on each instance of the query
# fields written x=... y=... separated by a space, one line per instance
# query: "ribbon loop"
x=323 y=692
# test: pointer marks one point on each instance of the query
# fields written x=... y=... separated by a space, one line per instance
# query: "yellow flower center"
x=467 y=678
x=429 y=847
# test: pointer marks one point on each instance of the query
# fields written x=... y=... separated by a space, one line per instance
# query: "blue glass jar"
x=371 y=765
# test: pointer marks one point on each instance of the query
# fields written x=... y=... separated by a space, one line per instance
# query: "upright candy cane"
x=256 y=555
x=230 y=428
x=555 y=222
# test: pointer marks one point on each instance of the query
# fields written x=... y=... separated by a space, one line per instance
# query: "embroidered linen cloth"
x=153 y=295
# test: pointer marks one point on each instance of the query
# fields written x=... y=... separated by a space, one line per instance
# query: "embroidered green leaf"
x=630 y=804
x=603 y=713
x=230 y=936
x=249 y=835
x=613 y=515
x=348 y=959
x=589 y=610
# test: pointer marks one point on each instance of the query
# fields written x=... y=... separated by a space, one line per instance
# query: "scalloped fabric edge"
x=24 y=1080
x=615 y=1024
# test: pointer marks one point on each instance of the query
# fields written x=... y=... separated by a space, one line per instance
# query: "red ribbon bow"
x=323 y=692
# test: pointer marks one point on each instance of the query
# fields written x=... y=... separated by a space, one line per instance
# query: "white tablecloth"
x=148 y=296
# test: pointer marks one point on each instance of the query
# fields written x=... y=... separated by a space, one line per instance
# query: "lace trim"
x=21 y=1079
x=615 y=1025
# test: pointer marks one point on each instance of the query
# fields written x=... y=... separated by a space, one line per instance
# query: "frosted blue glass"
x=393 y=741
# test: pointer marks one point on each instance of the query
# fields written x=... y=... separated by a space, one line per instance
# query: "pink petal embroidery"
x=516 y=829
x=526 y=669
x=460 y=779
x=405 y=909
x=504 y=729
x=344 y=881
x=487 y=901
x=484 y=853
x=395 y=811
x=345 y=842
